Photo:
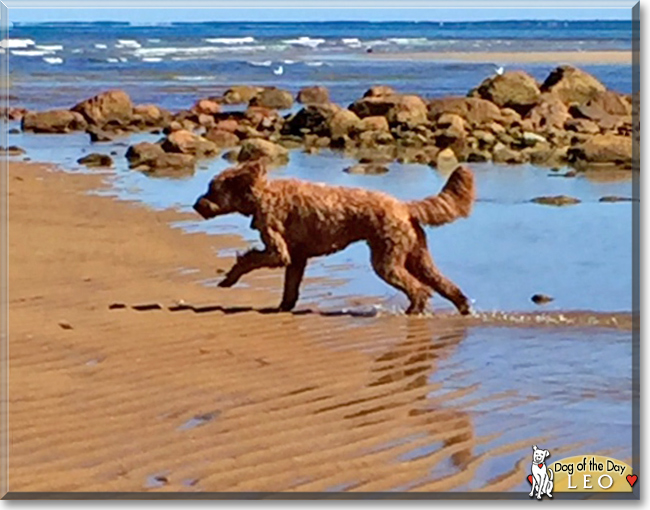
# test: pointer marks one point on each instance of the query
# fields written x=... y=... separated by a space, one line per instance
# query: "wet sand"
x=523 y=57
x=224 y=399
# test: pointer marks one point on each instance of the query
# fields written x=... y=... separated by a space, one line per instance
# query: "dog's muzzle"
x=205 y=208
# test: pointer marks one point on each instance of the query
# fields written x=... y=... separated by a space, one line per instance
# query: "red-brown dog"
x=298 y=220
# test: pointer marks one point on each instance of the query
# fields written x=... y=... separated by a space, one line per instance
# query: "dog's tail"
x=453 y=202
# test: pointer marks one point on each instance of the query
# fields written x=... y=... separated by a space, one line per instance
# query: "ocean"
x=57 y=64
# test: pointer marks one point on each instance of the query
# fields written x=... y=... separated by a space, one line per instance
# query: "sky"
x=270 y=14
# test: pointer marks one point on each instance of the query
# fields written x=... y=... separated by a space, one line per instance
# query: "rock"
x=558 y=200
x=229 y=125
x=14 y=131
x=503 y=154
x=273 y=98
x=366 y=169
x=13 y=150
x=241 y=94
x=513 y=89
x=479 y=156
x=261 y=117
x=65 y=325
x=370 y=139
x=311 y=119
x=150 y=115
x=205 y=120
x=609 y=149
x=152 y=158
x=531 y=139
x=13 y=113
x=114 y=107
x=604 y=108
x=222 y=138
x=342 y=123
x=446 y=160
x=477 y=112
x=53 y=121
x=612 y=198
x=97 y=134
x=411 y=110
x=96 y=160
x=544 y=155
x=540 y=299
x=206 y=107
x=258 y=148
x=485 y=139
x=572 y=85
x=186 y=142
x=313 y=95
x=453 y=126
x=582 y=126
x=375 y=123
x=550 y=112
x=380 y=91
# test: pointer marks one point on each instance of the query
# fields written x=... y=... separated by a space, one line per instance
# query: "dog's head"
x=233 y=190
x=539 y=455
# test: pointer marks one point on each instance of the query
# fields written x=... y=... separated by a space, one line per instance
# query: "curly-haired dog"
x=298 y=220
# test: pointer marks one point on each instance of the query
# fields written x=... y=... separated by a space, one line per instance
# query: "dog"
x=298 y=220
x=542 y=476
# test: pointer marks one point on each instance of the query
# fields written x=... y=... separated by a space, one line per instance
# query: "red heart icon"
x=530 y=479
x=540 y=465
x=631 y=479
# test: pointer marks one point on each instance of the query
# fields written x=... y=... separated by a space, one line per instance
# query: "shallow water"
x=508 y=250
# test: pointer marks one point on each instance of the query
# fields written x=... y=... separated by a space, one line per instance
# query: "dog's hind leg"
x=292 y=279
x=389 y=266
x=420 y=264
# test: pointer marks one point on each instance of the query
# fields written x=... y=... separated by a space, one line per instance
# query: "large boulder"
x=53 y=121
x=549 y=113
x=313 y=95
x=476 y=111
x=151 y=157
x=311 y=119
x=222 y=138
x=342 y=123
x=239 y=94
x=605 y=108
x=257 y=148
x=375 y=123
x=150 y=115
x=380 y=91
x=572 y=85
x=607 y=149
x=206 y=107
x=514 y=89
x=401 y=109
x=273 y=98
x=114 y=107
x=186 y=142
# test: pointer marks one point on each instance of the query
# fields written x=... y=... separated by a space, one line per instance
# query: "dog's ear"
x=534 y=447
x=257 y=168
x=547 y=453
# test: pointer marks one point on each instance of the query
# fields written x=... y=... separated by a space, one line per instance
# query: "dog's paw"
x=227 y=282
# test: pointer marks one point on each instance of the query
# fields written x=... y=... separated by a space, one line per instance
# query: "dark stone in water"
x=96 y=160
x=558 y=200
x=366 y=169
x=613 y=198
x=541 y=299
x=12 y=150
x=14 y=131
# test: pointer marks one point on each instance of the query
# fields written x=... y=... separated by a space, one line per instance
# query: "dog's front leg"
x=250 y=261
x=540 y=486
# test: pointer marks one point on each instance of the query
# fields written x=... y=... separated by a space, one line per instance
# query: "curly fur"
x=298 y=220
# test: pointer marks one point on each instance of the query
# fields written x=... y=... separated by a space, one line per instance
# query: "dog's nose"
x=202 y=206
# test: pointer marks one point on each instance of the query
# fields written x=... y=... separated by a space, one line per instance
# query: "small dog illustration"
x=542 y=477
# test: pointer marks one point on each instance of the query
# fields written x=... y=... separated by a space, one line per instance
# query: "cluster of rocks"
x=570 y=118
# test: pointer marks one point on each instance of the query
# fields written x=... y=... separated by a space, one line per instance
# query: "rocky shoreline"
x=569 y=119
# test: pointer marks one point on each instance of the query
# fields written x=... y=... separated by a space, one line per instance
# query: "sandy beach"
x=224 y=399
x=516 y=57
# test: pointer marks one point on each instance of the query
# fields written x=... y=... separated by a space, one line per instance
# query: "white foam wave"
x=193 y=78
x=193 y=51
x=16 y=43
x=152 y=59
x=154 y=40
x=314 y=64
x=288 y=62
x=127 y=43
x=53 y=60
x=112 y=60
x=305 y=41
x=77 y=50
x=30 y=53
x=265 y=63
x=407 y=40
x=54 y=47
x=101 y=46
x=353 y=42
x=231 y=40
x=376 y=43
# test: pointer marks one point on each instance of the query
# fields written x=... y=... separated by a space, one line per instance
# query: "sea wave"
x=16 y=43
x=193 y=51
x=231 y=40
x=314 y=64
x=265 y=63
x=101 y=46
x=194 y=78
x=53 y=47
x=152 y=59
x=53 y=60
x=127 y=43
x=305 y=41
x=31 y=53
x=408 y=40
